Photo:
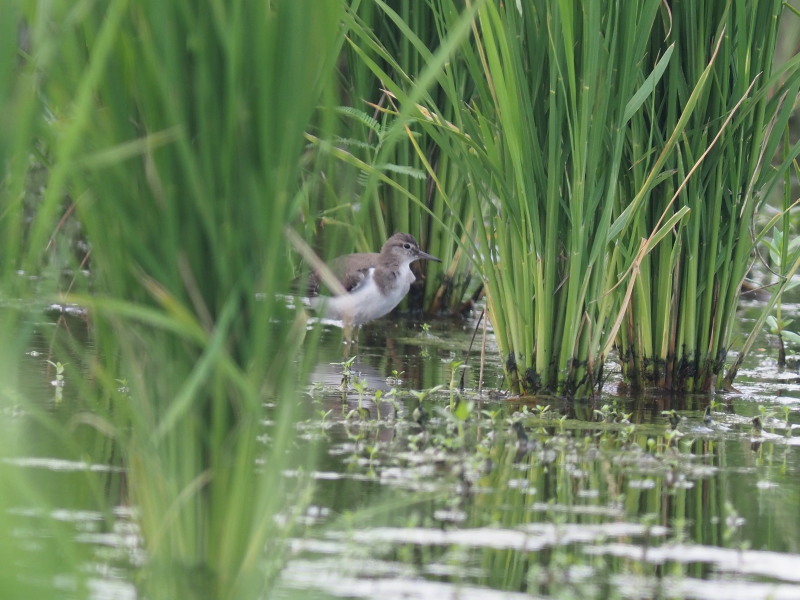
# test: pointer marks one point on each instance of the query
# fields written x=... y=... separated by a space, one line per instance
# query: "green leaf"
x=463 y=409
x=648 y=87
x=361 y=117
x=403 y=170
x=791 y=336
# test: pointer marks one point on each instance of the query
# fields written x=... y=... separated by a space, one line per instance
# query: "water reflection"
x=451 y=493
x=601 y=499
x=64 y=496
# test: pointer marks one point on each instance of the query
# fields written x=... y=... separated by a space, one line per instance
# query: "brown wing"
x=342 y=267
x=351 y=277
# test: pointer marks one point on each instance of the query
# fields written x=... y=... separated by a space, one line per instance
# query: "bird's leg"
x=346 y=341
x=350 y=337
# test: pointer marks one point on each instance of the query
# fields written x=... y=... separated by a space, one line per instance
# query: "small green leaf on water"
x=463 y=409
x=791 y=336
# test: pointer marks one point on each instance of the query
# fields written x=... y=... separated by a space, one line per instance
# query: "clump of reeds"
x=682 y=312
x=392 y=159
x=540 y=141
x=178 y=131
x=616 y=155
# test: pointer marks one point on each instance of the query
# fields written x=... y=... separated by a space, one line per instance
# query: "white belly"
x=366 y=302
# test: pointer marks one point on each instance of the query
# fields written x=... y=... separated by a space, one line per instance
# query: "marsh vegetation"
x=599 y=181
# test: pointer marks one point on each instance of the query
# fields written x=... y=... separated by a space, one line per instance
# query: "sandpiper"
x=374 y=283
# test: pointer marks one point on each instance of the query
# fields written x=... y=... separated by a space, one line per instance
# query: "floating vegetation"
x=549 y=499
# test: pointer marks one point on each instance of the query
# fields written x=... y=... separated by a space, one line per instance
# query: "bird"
x=374 y=283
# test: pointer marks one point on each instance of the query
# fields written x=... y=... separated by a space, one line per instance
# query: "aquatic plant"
x=616 y=157
x=780 y=255
x=682 y=310
x=389 y=158
x=37 y=559
x=177 y=131
x=542 y=144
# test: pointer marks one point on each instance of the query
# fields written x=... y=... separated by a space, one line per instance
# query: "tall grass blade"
x=179 y=135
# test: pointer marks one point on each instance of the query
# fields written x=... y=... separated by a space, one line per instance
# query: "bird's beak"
x=426 y=256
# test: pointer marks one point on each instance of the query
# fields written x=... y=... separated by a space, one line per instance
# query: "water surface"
x=453 y=493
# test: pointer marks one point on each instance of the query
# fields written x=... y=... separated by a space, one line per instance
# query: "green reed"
x=778 y=249
x=542 y=145
x=38 y=548
x=682 y=312
x=381 y=143
x=616 y=158
x=177 y=132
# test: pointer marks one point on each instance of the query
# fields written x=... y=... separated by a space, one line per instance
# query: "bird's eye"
x=407 y=246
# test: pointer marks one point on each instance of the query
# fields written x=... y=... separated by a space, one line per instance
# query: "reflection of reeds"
x=616 y=159
x=178 y=130
x=594 y=490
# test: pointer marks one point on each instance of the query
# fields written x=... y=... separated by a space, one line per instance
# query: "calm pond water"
x=454 y=494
